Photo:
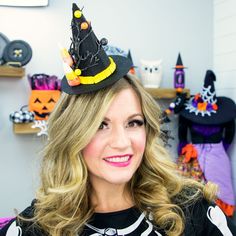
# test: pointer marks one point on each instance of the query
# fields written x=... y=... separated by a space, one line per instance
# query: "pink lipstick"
x=118 y=160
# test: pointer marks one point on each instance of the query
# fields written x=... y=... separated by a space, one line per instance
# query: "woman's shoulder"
x=206 y=218
x=18 y=227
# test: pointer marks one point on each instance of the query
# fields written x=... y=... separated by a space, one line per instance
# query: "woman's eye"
x=103 y=125
x=135 y=123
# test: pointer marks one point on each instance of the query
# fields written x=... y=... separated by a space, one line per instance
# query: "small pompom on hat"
x=208 y=109
x=89 y=68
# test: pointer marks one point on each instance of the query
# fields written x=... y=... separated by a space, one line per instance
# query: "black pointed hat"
x=179 y=63
x=132 y=69
x=130 y=57
x=206 y=108
x=90 y=68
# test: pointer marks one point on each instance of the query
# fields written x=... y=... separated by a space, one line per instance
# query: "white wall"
x=152 y=29
x=224 y=58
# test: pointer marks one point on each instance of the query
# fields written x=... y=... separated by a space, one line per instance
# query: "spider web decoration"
x=208 y=97
x=191 y=109
x=42 y=125
x=165 y=137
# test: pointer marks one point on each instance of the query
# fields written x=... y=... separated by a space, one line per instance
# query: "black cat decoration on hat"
x=87 y=67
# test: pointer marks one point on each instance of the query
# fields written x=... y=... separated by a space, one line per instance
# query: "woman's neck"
x=111 y=198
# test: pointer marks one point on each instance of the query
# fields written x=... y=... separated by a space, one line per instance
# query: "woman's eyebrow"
x=134 y=115
x=128 y=118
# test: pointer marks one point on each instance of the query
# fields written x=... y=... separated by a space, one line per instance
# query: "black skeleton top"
x=202 y=219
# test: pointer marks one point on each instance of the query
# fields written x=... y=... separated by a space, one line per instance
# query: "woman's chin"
x=119 y=180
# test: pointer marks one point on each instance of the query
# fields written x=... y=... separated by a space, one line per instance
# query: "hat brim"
x=180 y=68
x=123 y=66
x=226 y=112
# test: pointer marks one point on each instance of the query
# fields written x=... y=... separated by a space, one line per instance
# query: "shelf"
x=10 y=71
x=25 y=128
x=160 y=93
x=165 y=93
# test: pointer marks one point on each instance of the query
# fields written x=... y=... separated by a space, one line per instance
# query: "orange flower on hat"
x=215 y=107
x=202 y=106
x=197 y=96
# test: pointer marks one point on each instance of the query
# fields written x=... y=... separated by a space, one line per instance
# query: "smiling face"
x=116 y=150
x=42 y=102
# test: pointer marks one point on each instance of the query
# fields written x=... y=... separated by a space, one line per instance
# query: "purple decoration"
x=179 y=78
x=44 y=82
x=226 y=145
x=216 y=167
x=194 y=103
x=200 y=100
x=206 y=130
x=209 y=107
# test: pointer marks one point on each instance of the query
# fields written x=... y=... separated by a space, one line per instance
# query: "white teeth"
x=117 y=159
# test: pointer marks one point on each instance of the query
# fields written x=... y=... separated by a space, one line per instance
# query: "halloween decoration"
x=210 y=120
x=179 y=74
x=151 y=73
x=132 y=69
x=3 y=43
x=166 y=137
x=111 y=50
x=44 y=95
x=42 y=125
x=92 y=68
x=174 y=107
x=17 y=53
x=22 y=116
x=177 y=105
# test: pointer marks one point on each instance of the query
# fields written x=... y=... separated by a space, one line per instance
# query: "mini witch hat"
x=206 y=108
x=132 y=70
x=89 y=68
x=179 y=63
x=113 y=50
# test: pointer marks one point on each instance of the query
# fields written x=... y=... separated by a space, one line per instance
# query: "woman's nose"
x=119 y=138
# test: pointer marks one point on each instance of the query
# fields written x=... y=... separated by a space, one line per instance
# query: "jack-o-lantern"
x=42 y=102
x=44 y=95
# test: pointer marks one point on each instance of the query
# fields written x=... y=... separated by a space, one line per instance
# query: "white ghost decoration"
x=151 y=73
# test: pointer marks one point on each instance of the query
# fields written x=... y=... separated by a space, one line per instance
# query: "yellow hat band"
x=100 y=76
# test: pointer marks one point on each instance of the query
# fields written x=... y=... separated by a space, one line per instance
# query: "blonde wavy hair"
x=63 y=200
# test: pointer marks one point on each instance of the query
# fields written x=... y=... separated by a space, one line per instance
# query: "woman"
x=104 y=170
x=104 y=159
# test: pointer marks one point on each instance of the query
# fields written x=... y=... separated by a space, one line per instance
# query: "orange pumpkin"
x=42 y=102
